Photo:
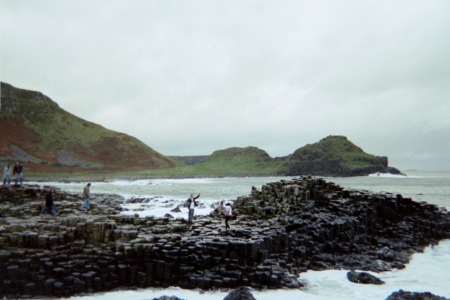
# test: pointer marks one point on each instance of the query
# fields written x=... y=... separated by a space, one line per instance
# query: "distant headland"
x=49 y=140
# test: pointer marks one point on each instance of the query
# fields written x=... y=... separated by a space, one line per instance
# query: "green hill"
x=238 y=161
x=235 y=161
x=36 y=131
x=331 y=156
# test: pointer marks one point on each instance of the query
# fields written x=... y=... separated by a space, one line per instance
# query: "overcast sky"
x=192 y=77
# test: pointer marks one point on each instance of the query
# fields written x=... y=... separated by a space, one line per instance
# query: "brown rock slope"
x=36 y=131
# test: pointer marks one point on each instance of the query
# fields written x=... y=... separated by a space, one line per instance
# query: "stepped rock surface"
x=281 y=230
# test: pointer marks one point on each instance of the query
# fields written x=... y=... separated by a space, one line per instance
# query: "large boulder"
x=363 y=277
x=167 y=298
x=404 y=295
x=242 y=293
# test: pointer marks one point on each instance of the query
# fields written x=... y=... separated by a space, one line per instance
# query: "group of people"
x=50 y=206
x=17 y=173
x=191 y=204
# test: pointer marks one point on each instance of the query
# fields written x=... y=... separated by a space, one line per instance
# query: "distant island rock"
x=336 y=156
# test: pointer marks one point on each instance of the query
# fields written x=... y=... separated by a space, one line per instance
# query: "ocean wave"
x=388 y=175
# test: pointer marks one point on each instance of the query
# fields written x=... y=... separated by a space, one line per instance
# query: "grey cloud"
x=191 y=77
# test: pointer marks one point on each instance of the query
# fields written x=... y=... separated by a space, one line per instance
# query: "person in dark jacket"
x=191 y=204
x=18 y=169
x=49 y=205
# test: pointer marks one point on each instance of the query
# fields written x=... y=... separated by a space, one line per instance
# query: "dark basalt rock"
x=363 y=277
x=329 y=227
x=242 y=293
x=284 y=228
x=168 y=298
x=404 y=295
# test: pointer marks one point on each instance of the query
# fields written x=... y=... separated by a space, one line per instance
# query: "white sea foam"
x=142 y=182
x=387 y=175
x=161 y=206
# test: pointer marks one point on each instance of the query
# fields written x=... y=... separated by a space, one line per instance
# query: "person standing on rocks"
x=18 y=169
x=86 y=195
x=191 y=205
x=228 y=214
x=7 y=175
x=49 y=205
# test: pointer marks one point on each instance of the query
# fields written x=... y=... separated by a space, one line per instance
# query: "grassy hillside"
x=228 y=162
x=54 y=138
x=238 y=161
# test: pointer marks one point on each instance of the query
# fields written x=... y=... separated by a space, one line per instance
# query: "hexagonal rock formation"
x=281 y=230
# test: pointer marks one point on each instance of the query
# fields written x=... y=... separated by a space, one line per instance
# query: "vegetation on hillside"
x=38 y=126
x=238 y=161
x=57 y=141
x=334 y=148
x=335 y=156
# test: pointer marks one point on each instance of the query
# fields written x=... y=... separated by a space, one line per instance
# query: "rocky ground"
x=283 y=229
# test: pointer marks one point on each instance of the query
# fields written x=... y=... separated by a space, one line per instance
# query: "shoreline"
x=137 y=177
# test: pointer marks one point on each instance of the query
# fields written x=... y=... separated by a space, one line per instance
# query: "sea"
x=428 y=271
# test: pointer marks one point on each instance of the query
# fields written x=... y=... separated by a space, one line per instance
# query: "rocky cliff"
x=282 y=229
x=335 y=156
x=37 y=132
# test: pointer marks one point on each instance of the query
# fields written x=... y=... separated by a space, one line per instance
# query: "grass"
x=230 y=162
x=249 y=161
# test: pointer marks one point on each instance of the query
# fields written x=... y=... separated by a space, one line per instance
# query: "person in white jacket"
x=7 y=175
x=228 y=214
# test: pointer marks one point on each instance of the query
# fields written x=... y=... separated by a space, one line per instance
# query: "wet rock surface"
x=242 y=293
x=168 y=298
x=363 y=277
x=329 y=227
x=404 y=295
x=283 y=229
